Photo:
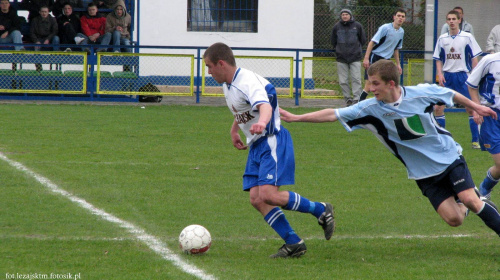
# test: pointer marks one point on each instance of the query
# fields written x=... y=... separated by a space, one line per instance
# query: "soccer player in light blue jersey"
x=484 y=86
x=271 y=162
x=385 y=43
x=401 y=118
x=456 y=55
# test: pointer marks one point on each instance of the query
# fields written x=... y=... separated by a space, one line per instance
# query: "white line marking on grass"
x=151 y=241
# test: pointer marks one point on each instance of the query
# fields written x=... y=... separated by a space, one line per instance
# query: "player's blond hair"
x=386 y=70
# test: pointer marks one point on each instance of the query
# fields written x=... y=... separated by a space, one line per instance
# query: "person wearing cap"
x=348 y=38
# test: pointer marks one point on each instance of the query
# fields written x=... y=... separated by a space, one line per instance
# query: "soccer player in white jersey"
x=385 y=43
x=401 y=118
x=456 y=55
x=271 y=162
x=484 y=86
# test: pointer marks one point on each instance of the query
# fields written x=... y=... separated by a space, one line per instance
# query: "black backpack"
x=149 y=87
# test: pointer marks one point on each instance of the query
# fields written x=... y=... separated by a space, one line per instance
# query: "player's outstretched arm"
x=479 y=109
x=325 y=115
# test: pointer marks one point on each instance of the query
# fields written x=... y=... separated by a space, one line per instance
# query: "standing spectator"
x=493 y=41
x=43 y=29
x=9 y=25
x=348 y=38
x=33 y=7
x=385 y=43
x=93 y=27
x=69 y=26
x=58 y=7
x=118 y=25
x=456 y=55
x=484 y=87
x=464 y=25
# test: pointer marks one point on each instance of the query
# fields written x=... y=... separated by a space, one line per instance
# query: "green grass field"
x=164 y=167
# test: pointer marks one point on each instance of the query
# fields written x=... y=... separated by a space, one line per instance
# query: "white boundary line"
x=151 y=241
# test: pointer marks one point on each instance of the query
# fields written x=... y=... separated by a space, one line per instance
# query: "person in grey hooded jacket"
x=348 y=38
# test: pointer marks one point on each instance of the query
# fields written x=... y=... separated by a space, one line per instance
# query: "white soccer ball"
x=195 y=239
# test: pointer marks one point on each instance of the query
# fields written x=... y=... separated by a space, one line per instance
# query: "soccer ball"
x=195 y=239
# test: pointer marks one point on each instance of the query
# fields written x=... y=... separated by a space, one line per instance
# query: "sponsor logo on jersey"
x=389 y=114
x=270 y=177
x=453 y=55
x=244 y=117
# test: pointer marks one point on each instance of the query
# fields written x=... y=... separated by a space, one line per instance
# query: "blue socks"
x=487 y=185
x=474 y=130
x=441 y=120
x=277 y=220
x=298 y=203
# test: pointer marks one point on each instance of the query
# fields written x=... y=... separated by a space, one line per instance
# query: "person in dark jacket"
x=348 y=38
x=43 y=29
x=33 y=6
x=69 y=27
x=9 y=25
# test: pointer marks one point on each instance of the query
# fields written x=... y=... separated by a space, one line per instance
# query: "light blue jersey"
x=387 y=39
x=408 y=128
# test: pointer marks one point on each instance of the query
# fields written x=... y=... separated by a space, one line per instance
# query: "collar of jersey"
x=234 y=78
x=397 y=102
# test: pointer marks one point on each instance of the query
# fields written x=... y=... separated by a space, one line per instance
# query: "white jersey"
x=486 y=78
x=244 y=94
x=408 y=128
x=456 y=52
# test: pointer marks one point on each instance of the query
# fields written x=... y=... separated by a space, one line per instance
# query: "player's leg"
x=451 y=212
x=294 y=246
x=366 y=89
x=492 y=177
x=439 y=115
x=462 y=184
x=343 y=73
x=490 y=141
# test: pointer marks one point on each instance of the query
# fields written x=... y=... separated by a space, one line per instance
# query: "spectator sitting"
x=118 y=24
x=43 y=29
x=9 y=25
x=33 y=6
x=69 y=26
x=58 y=7
x=109 y=4
x=93 y=27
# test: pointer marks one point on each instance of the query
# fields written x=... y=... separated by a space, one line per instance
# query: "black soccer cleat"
x=327 y=221
x=291 y=250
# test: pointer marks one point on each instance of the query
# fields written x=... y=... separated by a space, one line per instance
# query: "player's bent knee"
x=454 y=221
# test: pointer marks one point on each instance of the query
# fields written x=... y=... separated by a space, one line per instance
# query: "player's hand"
x=485 y=112
x=257 y=128
x=286 y=116
x=366 y=63
x=237 y=143
x=400 y=70
x=477 y=118
x=441 y=80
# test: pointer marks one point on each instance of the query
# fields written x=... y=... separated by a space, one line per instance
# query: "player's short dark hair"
x=459 y=8
x=453 y=12
x=399 y=10
x=220 y=51
x=386 y=69
x=91 y=4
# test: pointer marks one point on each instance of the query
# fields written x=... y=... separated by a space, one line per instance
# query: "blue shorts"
x=455 y=179
x=489 y=136
x=271 y=161
x=456 y=82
